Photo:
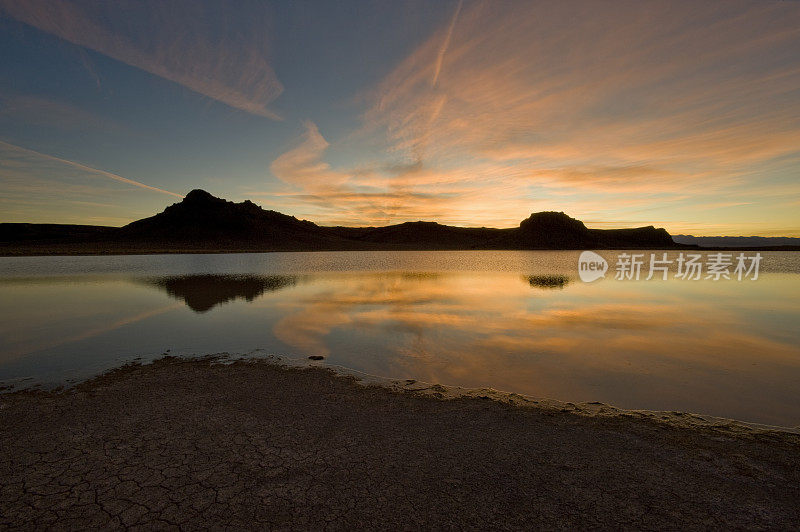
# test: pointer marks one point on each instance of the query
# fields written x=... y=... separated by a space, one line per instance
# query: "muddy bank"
x=194 y=444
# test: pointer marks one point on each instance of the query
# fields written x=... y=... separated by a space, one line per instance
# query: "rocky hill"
x=202 y=222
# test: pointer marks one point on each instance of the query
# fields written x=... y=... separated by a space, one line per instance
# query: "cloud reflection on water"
x=581 y=342
x=723 y=348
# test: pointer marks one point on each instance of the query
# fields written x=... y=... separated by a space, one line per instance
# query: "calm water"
x=514 y=321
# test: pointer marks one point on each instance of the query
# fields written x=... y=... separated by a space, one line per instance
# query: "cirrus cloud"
x=216 y=51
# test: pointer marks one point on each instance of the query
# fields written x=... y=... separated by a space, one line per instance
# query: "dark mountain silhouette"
x=424 y=235
x=45 y=233
x=204 y=223
x=204 y=219
x=553 y=230
x=201 y=293
x=737 y=241
x=556 y=230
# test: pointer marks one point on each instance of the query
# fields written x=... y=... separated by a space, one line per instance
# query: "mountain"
x=556 y=230
x=45 y=233
x=424 y=235
x=204 y=223
x=202 y=219
x=736 y=241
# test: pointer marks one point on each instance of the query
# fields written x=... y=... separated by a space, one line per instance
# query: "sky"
x=679 y=114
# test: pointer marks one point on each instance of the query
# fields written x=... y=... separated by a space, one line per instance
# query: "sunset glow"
x=682 y=115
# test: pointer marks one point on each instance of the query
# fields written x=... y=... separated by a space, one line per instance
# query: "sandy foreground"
x=197 y=444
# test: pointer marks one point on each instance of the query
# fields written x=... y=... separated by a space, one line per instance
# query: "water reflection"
x=721 y=348
x=201 y=293
x=705 y=348
x=548 y=281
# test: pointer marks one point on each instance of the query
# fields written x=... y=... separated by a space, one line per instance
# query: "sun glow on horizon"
x=679 y=115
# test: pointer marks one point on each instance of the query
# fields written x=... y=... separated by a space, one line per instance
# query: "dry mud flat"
x=179 y=444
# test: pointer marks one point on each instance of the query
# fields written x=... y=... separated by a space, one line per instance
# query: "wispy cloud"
x=303 y=165
x=49 y=113
x=446 y=43
x=87 y=169
x=374 y=195
x=630 y=83
x=621 y=102
x=219 y=51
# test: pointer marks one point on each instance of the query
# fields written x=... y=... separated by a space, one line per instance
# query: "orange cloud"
x=622 y=102
x=372 y=195
x=303 y=165
x=566 y=80
x=634 y=112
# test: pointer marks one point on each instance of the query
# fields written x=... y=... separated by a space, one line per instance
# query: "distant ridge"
x=736 y=241
x=203 y=218
x=204 y=223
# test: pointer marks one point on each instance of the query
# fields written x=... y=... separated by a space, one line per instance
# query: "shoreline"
x=74 y=252
x=440 y=391
x=689 y=420
x=419 y=388
x=185 y=443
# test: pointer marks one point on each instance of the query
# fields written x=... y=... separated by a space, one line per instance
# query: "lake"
x=517 y=321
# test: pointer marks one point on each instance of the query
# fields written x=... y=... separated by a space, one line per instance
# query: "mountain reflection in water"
x=548 y=281
x=519 y=322
x=201 y=293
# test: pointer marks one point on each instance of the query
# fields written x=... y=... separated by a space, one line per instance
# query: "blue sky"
x=684 y=115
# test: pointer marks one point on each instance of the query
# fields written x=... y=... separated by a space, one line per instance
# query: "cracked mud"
x=192 y=445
